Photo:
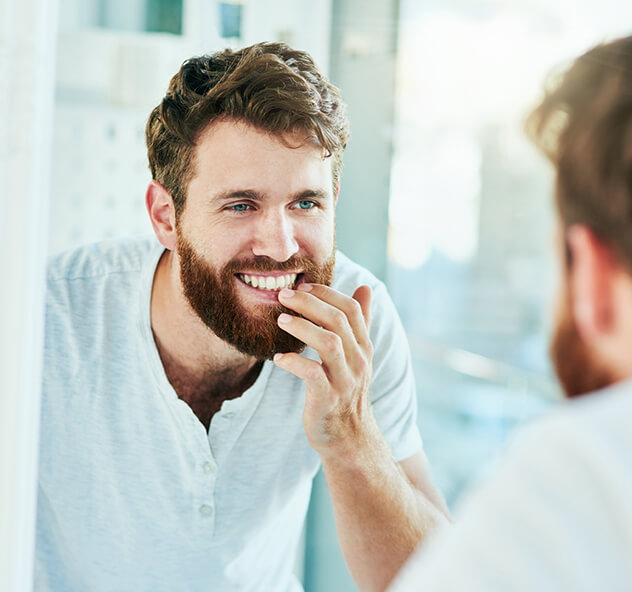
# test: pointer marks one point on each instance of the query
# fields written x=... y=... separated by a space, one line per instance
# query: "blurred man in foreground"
x=558 y=516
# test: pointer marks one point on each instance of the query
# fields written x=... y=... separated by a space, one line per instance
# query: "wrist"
x=358 y=450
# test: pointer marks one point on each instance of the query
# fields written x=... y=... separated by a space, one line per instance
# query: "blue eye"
x=306 y=204
x=242 y=207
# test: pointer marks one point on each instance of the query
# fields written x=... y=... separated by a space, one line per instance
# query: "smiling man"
x=195 y=384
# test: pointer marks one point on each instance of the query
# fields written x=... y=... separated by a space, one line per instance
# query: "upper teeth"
x=269 y=282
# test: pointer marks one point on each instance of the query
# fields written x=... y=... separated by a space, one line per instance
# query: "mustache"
x=263 y=264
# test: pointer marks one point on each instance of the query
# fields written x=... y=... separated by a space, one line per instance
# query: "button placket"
x=206 y=511
x=233 y=417
x=205 y=498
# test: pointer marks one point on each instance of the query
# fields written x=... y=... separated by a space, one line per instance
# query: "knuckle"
x=338 y=317
x=364 y=365
x=355 y=308
x=333 y=341
x=313 y=373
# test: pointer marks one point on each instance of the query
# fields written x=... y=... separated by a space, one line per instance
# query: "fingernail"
x=284 y=318
x=305 y=287
x=277 y=357
x=286 y=293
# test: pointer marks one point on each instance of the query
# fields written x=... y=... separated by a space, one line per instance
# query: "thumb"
x=363 y=296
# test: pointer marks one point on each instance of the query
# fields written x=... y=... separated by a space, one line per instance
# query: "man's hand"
x=337 y=416
x=383 y=509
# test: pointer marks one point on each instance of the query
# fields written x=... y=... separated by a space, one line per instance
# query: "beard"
x=578 y=368
x=252 y=330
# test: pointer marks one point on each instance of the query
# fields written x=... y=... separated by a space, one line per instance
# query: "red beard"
x=578 y=369
x=212 y=295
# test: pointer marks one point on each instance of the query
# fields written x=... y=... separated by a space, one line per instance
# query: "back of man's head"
x=268 y=85
x=584 y=125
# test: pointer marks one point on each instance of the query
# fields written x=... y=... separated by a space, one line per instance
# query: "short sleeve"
x=393 y=393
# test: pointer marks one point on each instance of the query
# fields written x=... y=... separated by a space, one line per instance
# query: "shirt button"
x=209 y=469
x=206 y=511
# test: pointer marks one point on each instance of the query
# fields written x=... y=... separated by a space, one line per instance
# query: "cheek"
x=561 y=296
x=318 y=240
x=559 y=303
x=221 y=243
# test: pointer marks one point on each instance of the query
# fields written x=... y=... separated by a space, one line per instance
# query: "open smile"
x=270 y=283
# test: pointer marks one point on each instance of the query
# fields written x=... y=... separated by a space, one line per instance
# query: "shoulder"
x=100 y=259
x=596 y=419
x=581 y=446
x=571 y=466
x=564 y=483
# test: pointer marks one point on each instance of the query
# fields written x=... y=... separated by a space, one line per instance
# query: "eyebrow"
x=259 y=196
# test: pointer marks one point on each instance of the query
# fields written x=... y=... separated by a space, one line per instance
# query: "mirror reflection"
x=439 y=200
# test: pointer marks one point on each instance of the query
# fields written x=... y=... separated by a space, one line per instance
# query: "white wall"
x=27 y=43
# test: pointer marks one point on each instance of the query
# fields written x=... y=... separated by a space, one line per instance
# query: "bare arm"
x=380 y=516
x=383 y=509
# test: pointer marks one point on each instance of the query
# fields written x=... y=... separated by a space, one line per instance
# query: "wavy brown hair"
x=268 y=85
x=584 y=126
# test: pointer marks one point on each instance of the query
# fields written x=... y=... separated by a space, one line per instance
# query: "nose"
x=274 y=236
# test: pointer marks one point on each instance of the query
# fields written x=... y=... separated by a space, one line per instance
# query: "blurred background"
x=442 y=196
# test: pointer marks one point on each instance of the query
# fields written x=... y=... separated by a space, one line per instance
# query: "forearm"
x=380 y=517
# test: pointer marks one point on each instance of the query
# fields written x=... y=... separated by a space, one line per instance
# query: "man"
x=558 y=515
x=181 y=425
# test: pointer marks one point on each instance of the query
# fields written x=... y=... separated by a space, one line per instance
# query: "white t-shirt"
x=556 y=517
x=134 y=493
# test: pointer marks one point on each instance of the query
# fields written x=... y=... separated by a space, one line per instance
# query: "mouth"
x=270 y=283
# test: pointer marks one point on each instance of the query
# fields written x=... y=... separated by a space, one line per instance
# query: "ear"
x=591 y=280
x=336 y=192
x=162 y=214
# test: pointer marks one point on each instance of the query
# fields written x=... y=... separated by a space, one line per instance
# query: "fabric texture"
x=557 y=515
x=134 y=493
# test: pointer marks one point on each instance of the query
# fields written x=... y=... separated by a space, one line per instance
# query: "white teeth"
x=269 y=282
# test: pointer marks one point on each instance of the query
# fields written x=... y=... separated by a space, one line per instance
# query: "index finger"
x=356 y=309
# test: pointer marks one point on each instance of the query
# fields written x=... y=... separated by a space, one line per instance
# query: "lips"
x=270 y=283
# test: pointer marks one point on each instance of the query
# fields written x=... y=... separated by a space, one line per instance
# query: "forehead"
x=235 y=154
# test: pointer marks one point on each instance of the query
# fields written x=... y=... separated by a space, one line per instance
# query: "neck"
x=198 y=364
